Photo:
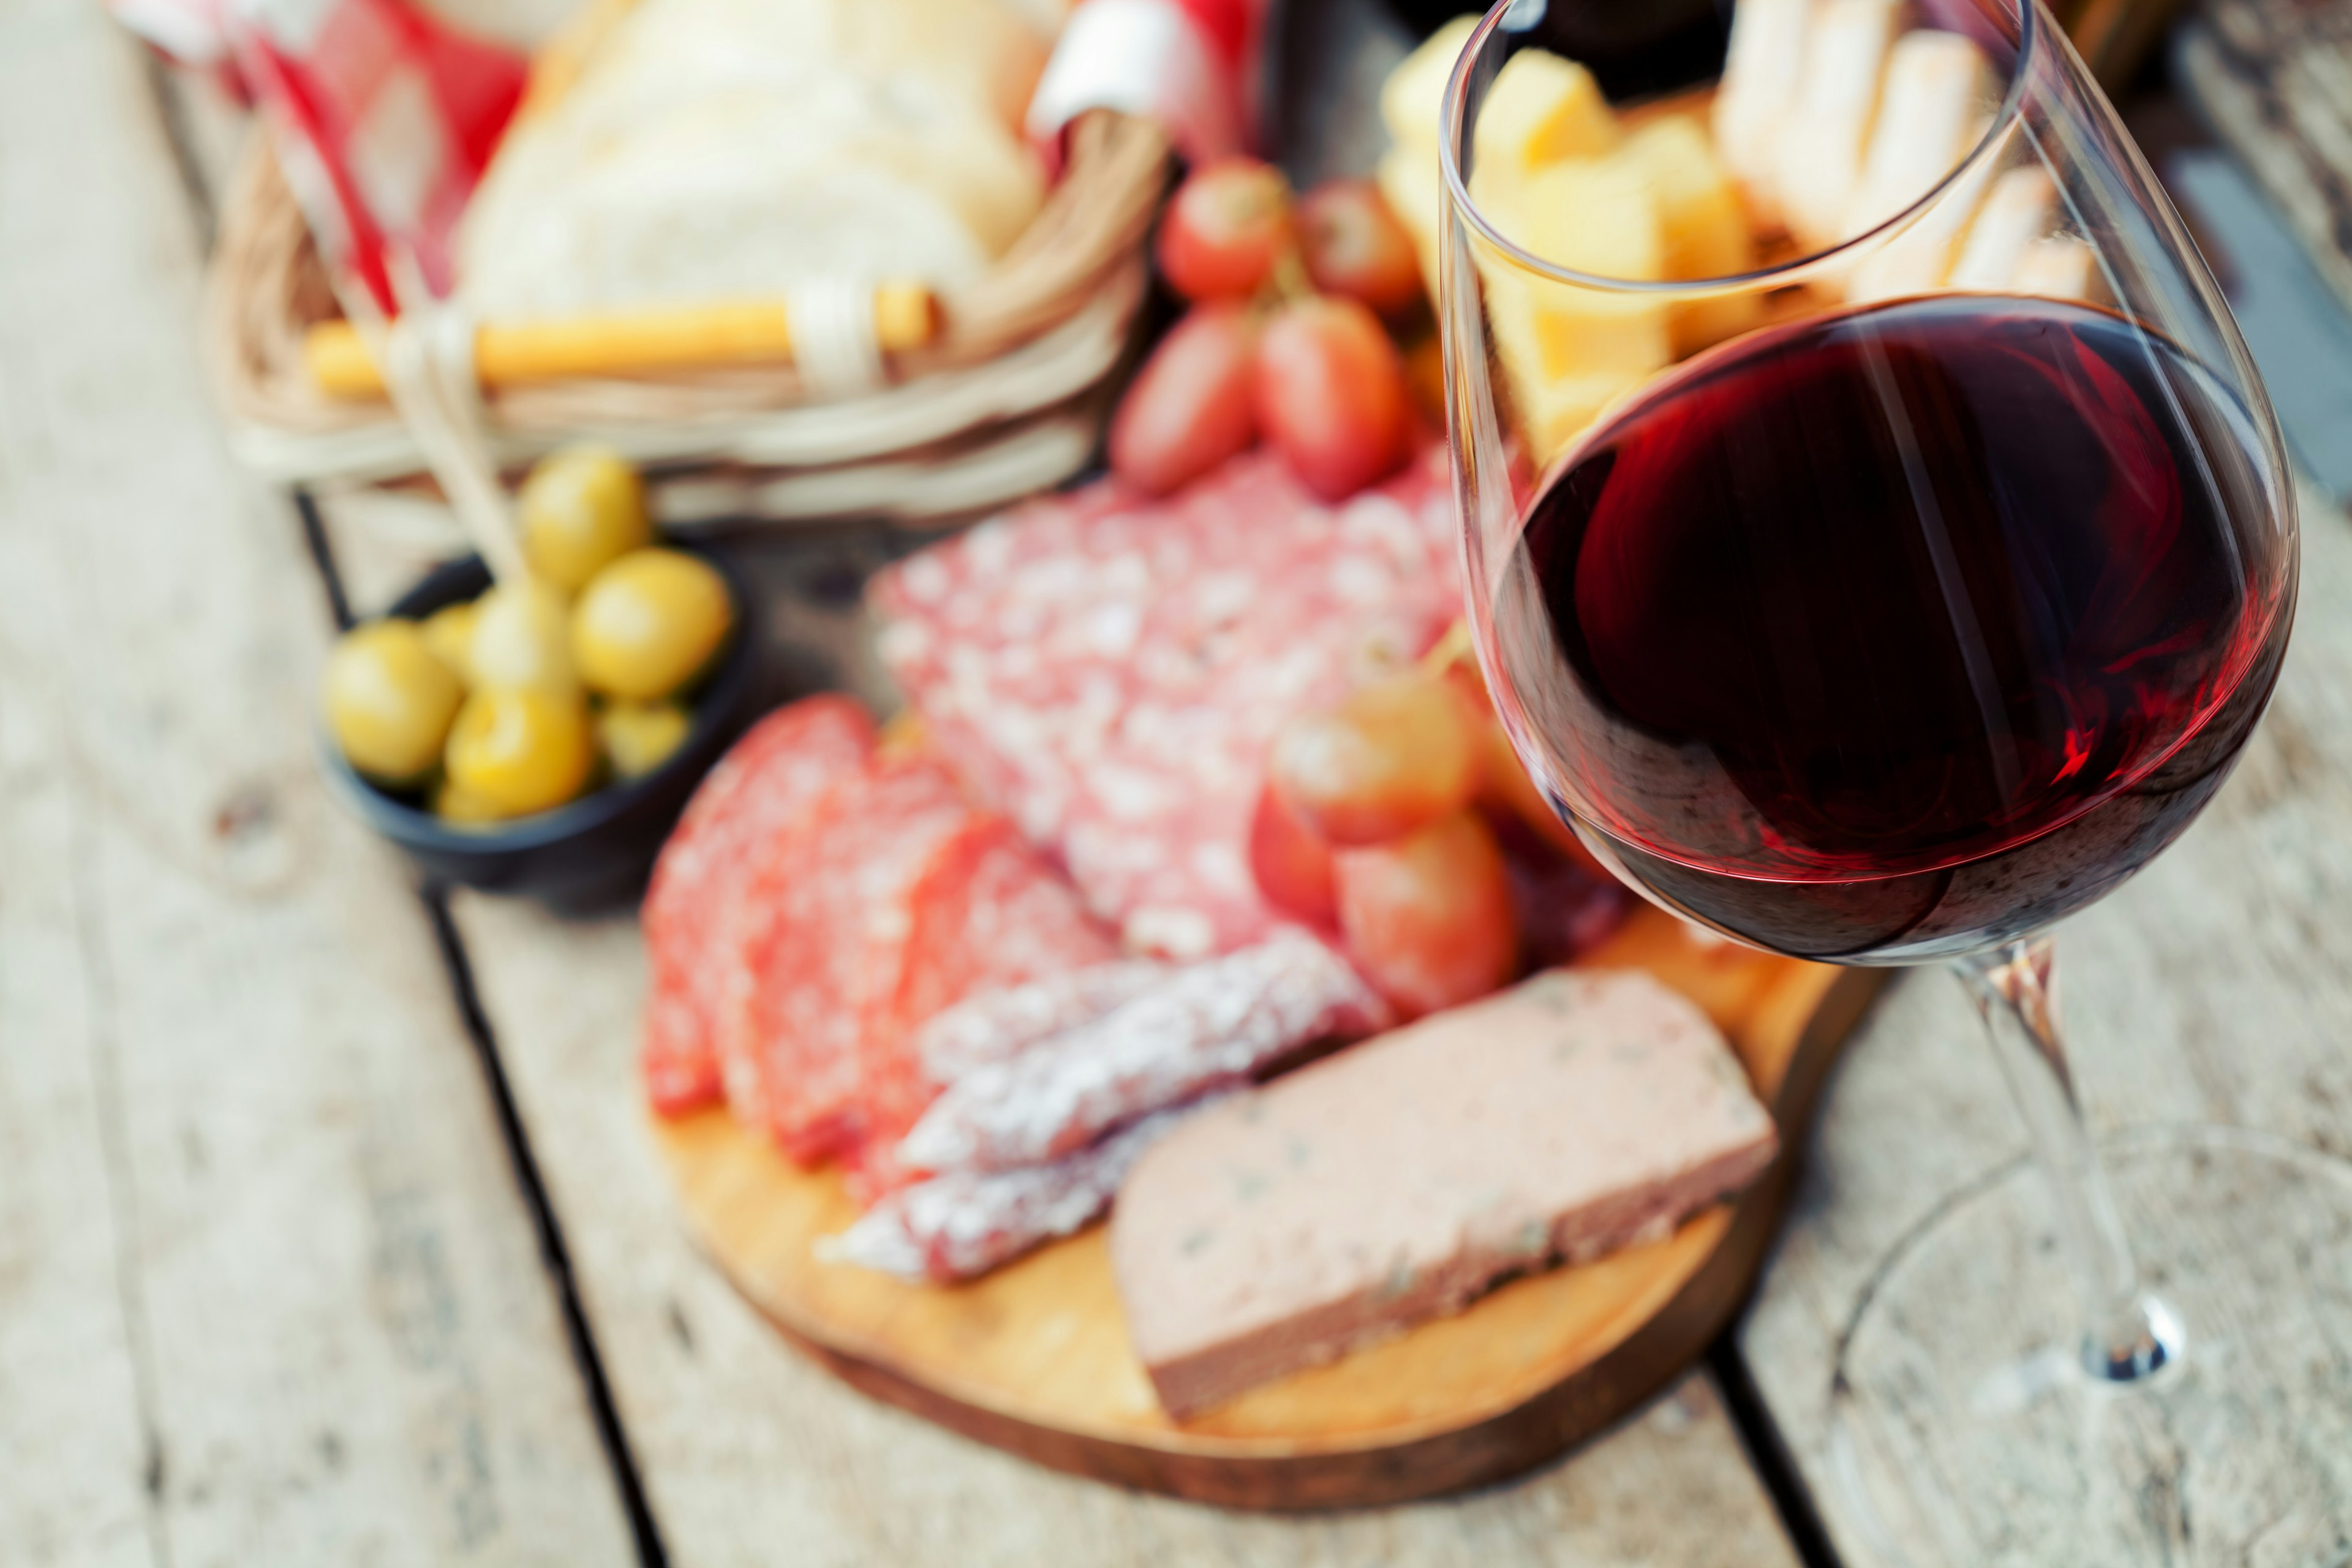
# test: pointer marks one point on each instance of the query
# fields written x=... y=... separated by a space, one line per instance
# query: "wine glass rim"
x=1457 y=193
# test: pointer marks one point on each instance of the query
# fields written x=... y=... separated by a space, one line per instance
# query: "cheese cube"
x=1412 y=185
x=1702 y=226
x=1598 y=218
x=1572 y=331
x=1939 y=99
x=1553 y=414
x=1760 y=68
x=1413 y=100
x=1568 y=349
x=2062 y=267
x=2021 y=208
x=1540 y=111
x=1818 y=156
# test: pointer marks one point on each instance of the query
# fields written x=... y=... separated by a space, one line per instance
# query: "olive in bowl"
x=538 y=786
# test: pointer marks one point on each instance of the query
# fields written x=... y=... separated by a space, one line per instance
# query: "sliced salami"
x=987 y=913
x=1109 y=671
x=1207 y=1026
x=828 y=914
x=694 y=903
x=952 y=1227
x=997 y=1025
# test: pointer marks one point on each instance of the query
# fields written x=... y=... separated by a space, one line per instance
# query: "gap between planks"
x=203 y=137
x=554 y=1255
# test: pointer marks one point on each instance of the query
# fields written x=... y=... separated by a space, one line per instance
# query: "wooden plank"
x=267 y=1289
x=2216 y=987
x=742 y=1443
x=2275 y=78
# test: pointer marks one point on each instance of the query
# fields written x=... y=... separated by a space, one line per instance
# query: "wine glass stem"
x=2126 y=1335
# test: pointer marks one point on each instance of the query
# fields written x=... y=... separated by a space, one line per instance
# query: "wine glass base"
x=1965 y=1431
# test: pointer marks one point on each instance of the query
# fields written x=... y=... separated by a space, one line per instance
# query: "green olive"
x=449 y=633
x=388 y=700
x=520 y=750
x=582 y=508
x=649 y=623
x=638 y=737
x=461 y=807
x=522 y=640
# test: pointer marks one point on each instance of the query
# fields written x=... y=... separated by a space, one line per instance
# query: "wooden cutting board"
x=1035 y=1357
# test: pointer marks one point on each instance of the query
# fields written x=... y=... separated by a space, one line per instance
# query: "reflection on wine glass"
x=1926 y=593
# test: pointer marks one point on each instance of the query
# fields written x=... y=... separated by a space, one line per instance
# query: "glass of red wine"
x=1886 y=598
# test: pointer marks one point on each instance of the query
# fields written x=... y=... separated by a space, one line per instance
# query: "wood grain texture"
x=2274 y=79
x=268 y=1291
x=742 y=1443
x=1035 y=1358
x=2217 y=987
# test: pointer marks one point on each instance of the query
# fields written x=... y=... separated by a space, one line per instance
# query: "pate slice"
x=1571 y=1115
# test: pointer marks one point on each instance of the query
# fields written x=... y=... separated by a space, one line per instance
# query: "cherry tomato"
x=1292 y=865
x=1331 y=393
x=1398 y=754
x=1503 y=784
x=1226 y=227
x=1428 y=918
x=1190 y=407
x=1354 y=247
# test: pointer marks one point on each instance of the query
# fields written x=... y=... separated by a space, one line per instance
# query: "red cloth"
x=385 y=115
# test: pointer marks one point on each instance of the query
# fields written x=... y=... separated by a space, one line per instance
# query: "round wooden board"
x=1035 y=1357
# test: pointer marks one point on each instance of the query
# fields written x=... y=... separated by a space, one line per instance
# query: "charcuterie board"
x=1034 y=1358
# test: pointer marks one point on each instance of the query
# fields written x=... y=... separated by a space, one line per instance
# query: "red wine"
x=1904 y=630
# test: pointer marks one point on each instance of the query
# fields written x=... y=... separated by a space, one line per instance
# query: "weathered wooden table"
x=329 y=1233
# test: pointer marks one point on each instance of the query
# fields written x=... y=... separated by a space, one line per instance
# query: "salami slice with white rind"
x=1208 y=1025
x=952 y=1227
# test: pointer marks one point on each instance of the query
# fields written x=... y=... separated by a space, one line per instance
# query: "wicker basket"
x=1007 y=398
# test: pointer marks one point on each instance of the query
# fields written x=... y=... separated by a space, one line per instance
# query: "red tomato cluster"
x=1283 y=340
x=1403 y=819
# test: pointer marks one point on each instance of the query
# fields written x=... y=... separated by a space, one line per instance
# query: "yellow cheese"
x=1412 y=187
x=1818 y=156
x=1938 y=99
x=1598 y=217
x=2020 y=209
x=1568 y=349
x=1569 y=331
x=1413 y=100
x=1552 y=413
x=1760 y=68
x=2062 y=267
x=1540 y=111
x=1702 y=227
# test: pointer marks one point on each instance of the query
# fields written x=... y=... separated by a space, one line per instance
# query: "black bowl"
x=594 y=853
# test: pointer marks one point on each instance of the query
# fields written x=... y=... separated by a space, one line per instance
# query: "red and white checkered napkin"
x=1191 y=65
x=385 y=116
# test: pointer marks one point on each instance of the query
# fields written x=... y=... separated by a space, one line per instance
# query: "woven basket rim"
x=265 y=287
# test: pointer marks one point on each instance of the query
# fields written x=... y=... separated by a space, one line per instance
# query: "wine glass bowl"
x=1888 y=629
